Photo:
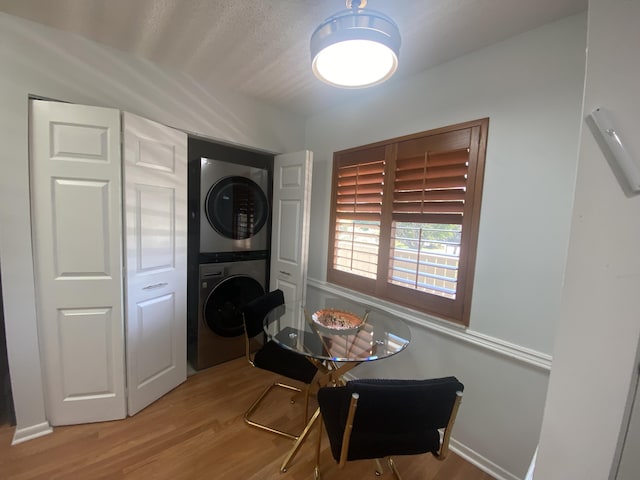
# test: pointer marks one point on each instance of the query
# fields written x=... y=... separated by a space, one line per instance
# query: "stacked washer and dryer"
x=232 y=227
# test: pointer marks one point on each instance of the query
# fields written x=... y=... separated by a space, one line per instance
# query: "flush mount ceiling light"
x=355 y=48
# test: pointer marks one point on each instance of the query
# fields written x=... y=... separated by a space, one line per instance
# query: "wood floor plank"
x=197 y=432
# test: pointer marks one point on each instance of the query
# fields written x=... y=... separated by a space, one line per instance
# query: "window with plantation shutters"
x=358 y=212
x=405 y=218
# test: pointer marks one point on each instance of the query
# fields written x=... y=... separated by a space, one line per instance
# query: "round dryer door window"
x=236 y=207
x=223 y=307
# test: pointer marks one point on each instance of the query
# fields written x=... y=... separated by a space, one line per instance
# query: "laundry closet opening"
x=229 y=244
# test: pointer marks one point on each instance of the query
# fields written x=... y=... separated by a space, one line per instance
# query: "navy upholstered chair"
x=270 y=356
x=375 y=419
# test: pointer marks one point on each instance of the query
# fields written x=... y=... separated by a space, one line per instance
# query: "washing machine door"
x=236 y=207
x=223 y=307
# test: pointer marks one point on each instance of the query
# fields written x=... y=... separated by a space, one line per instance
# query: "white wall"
x=597 y=336
x=41 y=61
x=530 y=87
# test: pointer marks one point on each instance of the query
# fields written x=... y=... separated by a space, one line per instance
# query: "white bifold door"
x=109 y=241
x=155 y=203
x=290 y=228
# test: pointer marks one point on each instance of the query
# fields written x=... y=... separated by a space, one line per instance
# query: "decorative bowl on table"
x=337 y=321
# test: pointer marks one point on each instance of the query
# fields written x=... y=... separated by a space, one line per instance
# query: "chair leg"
x=256 y=404
x=306 y=403
x=444 y=447
x=393 y=468
x=307 y=394
x=299 y=441
x=316 y=470
x=379 y=469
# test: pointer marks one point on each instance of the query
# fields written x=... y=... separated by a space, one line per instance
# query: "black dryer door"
x=236 y=207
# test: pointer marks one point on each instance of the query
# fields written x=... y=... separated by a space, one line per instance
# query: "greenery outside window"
x=404 y=221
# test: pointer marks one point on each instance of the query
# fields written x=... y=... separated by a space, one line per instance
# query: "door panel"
x=290 y=216
x=81 y=235
x=155 y=197
x=92 y=326
x=155 y=220
x=290 y=239
x=77 y=231
x=86 y=143
x=155 y=154
x=155 y=352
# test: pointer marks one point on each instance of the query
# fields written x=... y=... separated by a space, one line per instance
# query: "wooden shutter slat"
x=432 y=171
x=410 y=163
x=437 y=159
x=347 y=237
x=420 y=178
x=352 y=174
x=447 y=218
x=359 y=216
x=360 y=189
x=346 y=209
x=429 y=207
x=430 y=196
x=449 y=157
x=449 y=182
x=370 y=184
x=447 y=171
x=359 y=198
x=435 y=184
x=363 y=168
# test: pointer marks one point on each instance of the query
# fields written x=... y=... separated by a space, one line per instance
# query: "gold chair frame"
x=254 y=406
x=346 y=437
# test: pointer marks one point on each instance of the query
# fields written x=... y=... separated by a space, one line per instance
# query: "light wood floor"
x=197 y=432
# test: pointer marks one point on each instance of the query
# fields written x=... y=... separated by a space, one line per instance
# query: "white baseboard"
x=481 y=462
x=29 y=433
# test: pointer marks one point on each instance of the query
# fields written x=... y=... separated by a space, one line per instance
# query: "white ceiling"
x=260 y=48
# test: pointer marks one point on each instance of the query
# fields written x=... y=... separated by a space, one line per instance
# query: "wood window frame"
x=458 y=309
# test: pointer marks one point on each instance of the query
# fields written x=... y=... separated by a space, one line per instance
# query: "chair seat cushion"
x=284 y=362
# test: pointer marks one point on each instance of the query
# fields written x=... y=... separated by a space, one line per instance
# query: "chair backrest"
x=255 y=311
x=393 y=417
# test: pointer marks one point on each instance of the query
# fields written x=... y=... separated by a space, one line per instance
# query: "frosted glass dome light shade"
x=355 y=49
x=355 y=63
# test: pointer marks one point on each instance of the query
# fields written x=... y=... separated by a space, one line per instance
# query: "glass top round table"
x=335 y=334
x=335 y=338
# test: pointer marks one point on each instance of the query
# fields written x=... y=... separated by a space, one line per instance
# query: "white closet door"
x=291 y=211
x=155 y=198
x=77 y=235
